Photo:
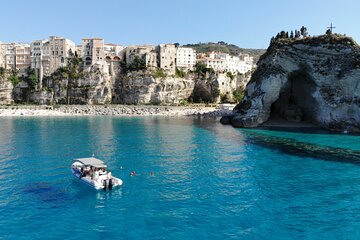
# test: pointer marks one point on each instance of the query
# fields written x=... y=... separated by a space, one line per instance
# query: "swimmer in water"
x=133 y=173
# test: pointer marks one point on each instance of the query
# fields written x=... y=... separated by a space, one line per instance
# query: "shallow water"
x=210 y=181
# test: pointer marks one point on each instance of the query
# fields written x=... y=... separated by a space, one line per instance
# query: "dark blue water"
x=210 y=181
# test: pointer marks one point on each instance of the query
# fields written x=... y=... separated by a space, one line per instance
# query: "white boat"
x=93 y=172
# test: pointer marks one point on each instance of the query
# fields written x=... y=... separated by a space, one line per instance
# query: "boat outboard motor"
x=104 y=183
x=110 y=184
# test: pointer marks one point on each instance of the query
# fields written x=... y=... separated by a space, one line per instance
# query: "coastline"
x=113 y=110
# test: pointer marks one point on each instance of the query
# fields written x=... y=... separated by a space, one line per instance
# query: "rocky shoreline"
x=112 y=110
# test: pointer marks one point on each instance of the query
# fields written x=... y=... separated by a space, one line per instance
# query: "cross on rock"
x=331 y=28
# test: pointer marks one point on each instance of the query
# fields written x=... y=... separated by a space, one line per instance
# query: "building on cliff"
x=223 y=62
x=167 y=57
x=60 y=49
x=92 y=51
x=147 y=53
x=185 y=58
x=49 y=55
x=7 y=54
x=22 y=58
x=114 y=52
x=15 y=56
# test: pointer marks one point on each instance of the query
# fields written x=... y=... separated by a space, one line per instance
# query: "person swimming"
x=133 y=173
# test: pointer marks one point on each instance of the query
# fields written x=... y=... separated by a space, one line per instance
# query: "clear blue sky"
x=247 y=23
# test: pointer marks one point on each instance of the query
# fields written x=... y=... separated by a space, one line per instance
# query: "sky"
x=246 y=23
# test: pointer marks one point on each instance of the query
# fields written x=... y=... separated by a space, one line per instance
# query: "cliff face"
x=6 y=92
x=104 y=85
x=312 y=79
x=143 y=88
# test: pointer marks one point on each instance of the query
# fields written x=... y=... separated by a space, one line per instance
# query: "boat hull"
x=97 y=185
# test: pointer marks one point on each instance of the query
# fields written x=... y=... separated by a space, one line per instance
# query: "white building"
x=7 y=53
x=223 y=62
x=40 y=59
x=49 y=55
x=185 y=58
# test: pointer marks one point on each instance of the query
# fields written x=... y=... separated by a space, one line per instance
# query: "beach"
x=113 y=110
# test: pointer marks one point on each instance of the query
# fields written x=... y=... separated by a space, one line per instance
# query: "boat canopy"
x=92 y=162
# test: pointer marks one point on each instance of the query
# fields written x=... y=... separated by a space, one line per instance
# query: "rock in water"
x=314 y=79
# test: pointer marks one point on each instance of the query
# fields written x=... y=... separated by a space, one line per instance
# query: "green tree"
x=291 y=34
x=239 y=94
x=303 y=31
x=230 y=75
x=137 y=64
x=31 y=78
x=200 y=69
x=179 y=73
x=159 y=73
x=14 y=78
x=282 y=34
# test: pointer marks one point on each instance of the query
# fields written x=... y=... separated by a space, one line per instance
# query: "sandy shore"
x=112 y=110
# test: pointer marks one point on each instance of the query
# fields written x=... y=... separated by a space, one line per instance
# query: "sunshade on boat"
x=92 y=162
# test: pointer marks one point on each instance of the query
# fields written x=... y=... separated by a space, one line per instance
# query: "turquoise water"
x=210 y=181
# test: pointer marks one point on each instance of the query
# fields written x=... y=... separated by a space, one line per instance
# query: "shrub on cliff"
x=231 y=76
x=31 y=78
x=180 y=73
x=201 y=70
x=136 y=65
x=13 y=77
x=159 y=73
x=238 y=94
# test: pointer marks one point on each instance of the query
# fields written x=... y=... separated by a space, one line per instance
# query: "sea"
x=195 y=179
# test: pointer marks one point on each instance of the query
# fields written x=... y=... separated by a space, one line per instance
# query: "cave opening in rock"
x=295 y=102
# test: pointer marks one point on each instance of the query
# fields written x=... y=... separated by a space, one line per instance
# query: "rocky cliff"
x=313 y=79
x=99 y=84
x=142 y=88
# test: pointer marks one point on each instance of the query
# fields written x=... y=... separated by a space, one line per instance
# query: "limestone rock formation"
x=142 y=88
x=6 y=90
x=315 y=79
x=105 y=84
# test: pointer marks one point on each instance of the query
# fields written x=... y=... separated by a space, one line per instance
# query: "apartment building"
x=92 y=51
x=185 y=58
x=60 y=49
x=222 y=62
x=15 y=56
x=7 y=55
x=114 y=52
x=148 y=53
x=167 y=57
x=40 y=58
